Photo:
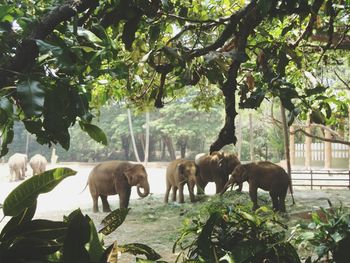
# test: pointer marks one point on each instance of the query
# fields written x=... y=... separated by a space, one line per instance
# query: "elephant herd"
x=18 y=165
x=117 y=177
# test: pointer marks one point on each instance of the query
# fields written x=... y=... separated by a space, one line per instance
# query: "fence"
x=340 y=155
x=321 y=178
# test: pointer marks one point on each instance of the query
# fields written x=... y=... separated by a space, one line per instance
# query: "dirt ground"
x=149 y=220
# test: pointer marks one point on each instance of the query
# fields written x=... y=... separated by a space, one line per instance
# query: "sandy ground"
x=149 y=221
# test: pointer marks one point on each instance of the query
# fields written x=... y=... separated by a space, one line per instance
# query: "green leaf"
x=38 y=229
x=24 y=195
x=7 y=137
x=139 y=249
x=95 y=247
x=6 y=110
x=88 y=35
x=94 y=132
x=264 y=6
x=77 y=237
x=113 y=220
x=246 y=251
x=26 y=215
x=31 y=96
x=154 y=33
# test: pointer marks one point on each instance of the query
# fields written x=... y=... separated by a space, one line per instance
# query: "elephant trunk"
x=145 y=190
x=227 y=185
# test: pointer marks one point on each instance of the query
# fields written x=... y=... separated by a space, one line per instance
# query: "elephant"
x=265 y=175
x=178 y=173
x=116 y=177
x=215 y=167
x=38 y=164
x=18 y=166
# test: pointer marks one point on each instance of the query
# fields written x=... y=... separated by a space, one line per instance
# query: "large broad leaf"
x=77 y=237
x=38 y=229
x=25 y=194
x=139 y=249
x=113 y=220
x=30 y=250
x=6 y=110
x=246 y=251
x=94 y=132
x=26 y=215
x=95 y=247
x=31 y=95
x=7 y=137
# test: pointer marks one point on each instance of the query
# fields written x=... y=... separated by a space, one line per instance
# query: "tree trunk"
x=132 y=137
x=147 y=139
x=251 y=138
x=308 y=141
x=183 y=146
x=239 y=138
x=286 y=147
x=27 y=143
x=126 y=145
x=169 y=144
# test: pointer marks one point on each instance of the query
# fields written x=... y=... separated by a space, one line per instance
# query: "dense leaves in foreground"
x=222 y=229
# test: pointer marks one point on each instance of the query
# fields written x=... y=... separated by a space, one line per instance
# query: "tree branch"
x=321 y=138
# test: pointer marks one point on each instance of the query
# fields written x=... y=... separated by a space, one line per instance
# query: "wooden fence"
x=321 y=178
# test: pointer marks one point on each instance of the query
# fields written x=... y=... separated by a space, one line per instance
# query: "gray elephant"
x=18 y=166
x=216 y=168
x=38 y=164
x=265 y=175
x=179 y=173
x=116 y=177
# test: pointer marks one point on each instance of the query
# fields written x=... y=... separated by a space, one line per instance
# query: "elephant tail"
x=87 y=183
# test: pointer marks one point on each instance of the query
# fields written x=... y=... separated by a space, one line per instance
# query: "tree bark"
x=286 y=147
x=169 y=144
x=132 y=137
x=147 y=139
x=251 y=138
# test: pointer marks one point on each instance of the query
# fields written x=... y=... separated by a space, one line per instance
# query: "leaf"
x=113 y=220
x=26 y=215
x=246 y=250
x=139 y=249
x=94 y=132
x=154 y=33
x=31 y=96
x=6 y=110
x=7 y=137
x=24 y=195
x=95 y=247
x=77 y=237
x=264 y=6
x=38 y=229
x=88 y=35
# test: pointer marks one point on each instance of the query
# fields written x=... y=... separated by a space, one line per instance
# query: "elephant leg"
x=174 y=193
x=105 y=204
x=181 y=193
x=219 y=186
x=253 y=193
x=240 y=186
x=94 y=203
x=274 y=197
x=124 y=198
x=191 y=191
x=282 y=199
x=167 y=191
x=201 y=184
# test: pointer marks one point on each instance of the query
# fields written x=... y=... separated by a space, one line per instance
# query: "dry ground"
x=149 y=220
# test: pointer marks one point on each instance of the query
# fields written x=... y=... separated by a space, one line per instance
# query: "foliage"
x=326 y=236
x=75 y=239
x=233 y=234
x=61 y=59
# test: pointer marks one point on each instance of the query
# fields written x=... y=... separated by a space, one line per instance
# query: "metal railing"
x=321 y=178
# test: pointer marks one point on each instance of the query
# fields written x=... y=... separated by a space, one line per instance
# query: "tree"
x=57 y=55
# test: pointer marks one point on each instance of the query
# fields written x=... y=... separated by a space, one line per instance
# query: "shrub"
x=327 y=236
x=231 y=233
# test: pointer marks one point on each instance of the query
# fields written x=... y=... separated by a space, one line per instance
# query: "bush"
x=222 y=232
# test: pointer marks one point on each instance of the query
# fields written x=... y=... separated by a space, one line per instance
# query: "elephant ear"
x=244 y=173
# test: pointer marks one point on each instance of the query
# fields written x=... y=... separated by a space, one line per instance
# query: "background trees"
x=62 y=60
